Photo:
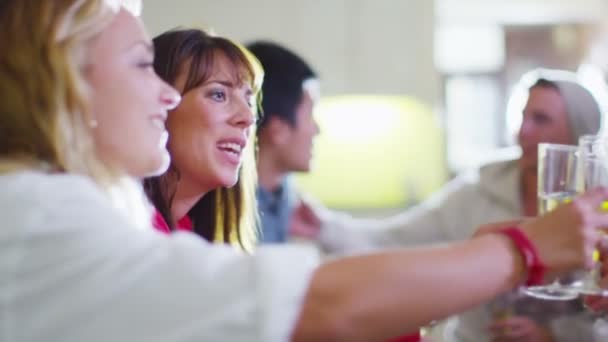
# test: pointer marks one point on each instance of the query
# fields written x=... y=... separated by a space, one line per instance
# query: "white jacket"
x=73 y=269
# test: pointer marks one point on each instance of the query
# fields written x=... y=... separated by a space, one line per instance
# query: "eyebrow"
x=539 y=113
x=228 y=84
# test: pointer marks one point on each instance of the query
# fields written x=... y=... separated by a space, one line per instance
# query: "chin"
x=303 y=167
x=162 y=164
x=153 y=165
x=229 y=182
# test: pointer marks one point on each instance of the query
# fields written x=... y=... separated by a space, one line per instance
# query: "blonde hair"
x=45 y=118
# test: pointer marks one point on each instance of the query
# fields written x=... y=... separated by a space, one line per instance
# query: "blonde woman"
x=81 y=119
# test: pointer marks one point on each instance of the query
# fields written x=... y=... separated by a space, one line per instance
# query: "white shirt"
x=73 y=269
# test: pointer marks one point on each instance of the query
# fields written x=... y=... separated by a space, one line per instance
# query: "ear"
x=277 y=131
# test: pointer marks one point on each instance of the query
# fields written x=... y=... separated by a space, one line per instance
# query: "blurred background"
x=413 y=91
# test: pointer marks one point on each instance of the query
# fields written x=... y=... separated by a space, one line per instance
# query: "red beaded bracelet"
x=534 y=266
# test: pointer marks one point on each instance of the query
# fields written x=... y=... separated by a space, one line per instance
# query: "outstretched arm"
x=378 y=296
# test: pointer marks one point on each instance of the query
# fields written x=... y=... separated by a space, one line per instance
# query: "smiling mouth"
x=158 y=122
x=231 y=148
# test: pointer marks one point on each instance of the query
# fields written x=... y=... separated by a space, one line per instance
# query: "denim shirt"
x=275 y=209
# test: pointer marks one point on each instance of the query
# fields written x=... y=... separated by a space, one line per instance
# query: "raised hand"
x=304 y=222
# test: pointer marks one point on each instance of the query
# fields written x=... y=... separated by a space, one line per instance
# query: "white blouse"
x=73 y=269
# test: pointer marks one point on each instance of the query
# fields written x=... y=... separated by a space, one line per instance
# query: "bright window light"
x=462 y=49
x=375 y=152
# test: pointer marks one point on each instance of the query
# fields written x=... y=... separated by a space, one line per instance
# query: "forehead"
x=226 y=69
x=546 y=100
x=210 y=67
x=122 y=32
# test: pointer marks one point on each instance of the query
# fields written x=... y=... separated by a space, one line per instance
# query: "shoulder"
x=489 y=172
x=36 y=201
x=499 y=169
x=39 y=188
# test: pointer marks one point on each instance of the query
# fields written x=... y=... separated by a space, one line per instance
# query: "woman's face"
x=210 y=129
x=129 y=101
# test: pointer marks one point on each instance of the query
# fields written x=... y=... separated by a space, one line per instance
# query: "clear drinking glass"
x=558 y=183
x=593 y=166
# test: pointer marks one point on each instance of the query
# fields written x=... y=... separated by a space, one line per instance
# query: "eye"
x=217 y=95
x=540 y=119
x=146 y=65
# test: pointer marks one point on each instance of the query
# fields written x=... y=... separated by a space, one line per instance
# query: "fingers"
x=593 y=302
x=303 y=230
x=604 y=271
x=591 y=206
x=512 y=328
x=584 y=213
x=520 y=328
x=507 y=333
x=307 y=213
x=603 y=247
x=597 y=304
x=302 y=225
x=595 y=197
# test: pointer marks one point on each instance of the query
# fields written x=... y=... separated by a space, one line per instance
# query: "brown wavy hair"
x=227 y=215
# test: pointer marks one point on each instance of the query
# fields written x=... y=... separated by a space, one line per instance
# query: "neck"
x=187 y=193
x=529 y=181
x=270 y=174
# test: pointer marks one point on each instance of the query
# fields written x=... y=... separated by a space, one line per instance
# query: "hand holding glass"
x=557 y=184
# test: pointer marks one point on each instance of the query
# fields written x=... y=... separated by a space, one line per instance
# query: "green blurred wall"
x=375 y=152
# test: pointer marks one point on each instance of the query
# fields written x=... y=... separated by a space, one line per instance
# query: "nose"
x=244 y=116
x=169 y=97
x=525 y=131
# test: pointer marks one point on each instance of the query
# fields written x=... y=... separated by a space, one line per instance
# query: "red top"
x=406 y=338
x=159 y=223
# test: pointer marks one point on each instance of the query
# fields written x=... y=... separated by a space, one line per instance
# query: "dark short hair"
x=284 y=74
x=545 y=83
